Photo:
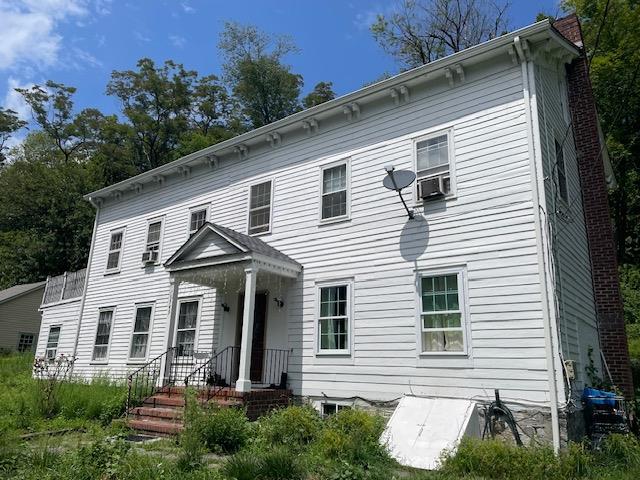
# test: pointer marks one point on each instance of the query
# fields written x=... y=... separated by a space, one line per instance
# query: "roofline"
x=34 y=288
x=397 y=80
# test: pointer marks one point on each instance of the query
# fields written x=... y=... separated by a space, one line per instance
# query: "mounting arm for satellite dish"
x=397 y=181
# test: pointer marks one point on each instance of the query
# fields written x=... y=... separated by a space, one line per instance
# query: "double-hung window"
x=140 y=336
x=52 y=342
x=103 y=335
x=433 y=160
x=442 y=320
x=334 y=318
x=115 y=250
x=329 y=408
x=25 y=343
x=561 y=172
x=260 y=207
x=187 y=323
x=335 y=194
x=153 y=235
x=197 y=218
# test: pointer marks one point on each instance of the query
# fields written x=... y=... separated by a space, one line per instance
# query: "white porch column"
x=244 y=380
x=174 y=287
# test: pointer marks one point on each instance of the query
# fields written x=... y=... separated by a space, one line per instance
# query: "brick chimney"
x=604 y=265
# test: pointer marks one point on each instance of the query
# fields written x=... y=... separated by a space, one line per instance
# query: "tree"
x=52 y=110
x=157 y=103
x=322 y=92
x=9 y=124
x=265 y=88
x=421 y=31
x=611 y=31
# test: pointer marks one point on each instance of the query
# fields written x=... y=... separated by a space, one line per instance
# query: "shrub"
x=620 y=451
x=281 y=464
x=352 y=436
x=242 y=466
x=294 y=427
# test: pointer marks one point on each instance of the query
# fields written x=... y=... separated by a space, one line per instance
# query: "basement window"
x=329 y=408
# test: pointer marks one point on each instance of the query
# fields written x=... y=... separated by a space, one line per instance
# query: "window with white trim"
x=187 y=323
x=25 y=342
x=260 y=207
x=154 y=232
x=103 y=335
x=334 y=201
x=442 y=319
x=329 y=408
x=52 y=342
x=115 y=250
x=333 y=318
x=140 y=336
x=197 y=218
x=432 y=160
x=561 y=172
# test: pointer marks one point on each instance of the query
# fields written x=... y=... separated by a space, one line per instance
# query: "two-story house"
x=280 y=254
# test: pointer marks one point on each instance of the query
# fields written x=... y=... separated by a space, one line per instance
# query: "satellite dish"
x=396 y=181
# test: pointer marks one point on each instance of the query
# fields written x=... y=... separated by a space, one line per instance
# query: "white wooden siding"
x=66 y=315
x=573 y=285
x=488 y=227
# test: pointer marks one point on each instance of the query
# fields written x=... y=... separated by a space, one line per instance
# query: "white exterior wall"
x=488 y=228
x=66 y=315
x=574 y=299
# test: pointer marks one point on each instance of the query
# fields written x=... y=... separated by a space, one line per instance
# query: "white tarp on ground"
x=421 y=428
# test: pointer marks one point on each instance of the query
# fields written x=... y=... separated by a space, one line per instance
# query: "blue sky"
x=80 y=42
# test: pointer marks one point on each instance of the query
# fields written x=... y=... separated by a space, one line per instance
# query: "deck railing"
x=63 y=287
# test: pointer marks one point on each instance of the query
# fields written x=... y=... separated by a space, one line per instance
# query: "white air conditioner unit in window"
x=431 y=188
x=149 y=257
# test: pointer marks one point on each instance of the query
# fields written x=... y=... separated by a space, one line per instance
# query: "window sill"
x=101 y=362
x=443 y=354
x=137 y=362
x=111 y=272
x=334 y=353
x=421 y=203
x=331 y=221
x=260 y=234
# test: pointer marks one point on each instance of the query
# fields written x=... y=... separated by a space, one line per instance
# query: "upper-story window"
x=442 y=322
x=115 y=250
x=433 y=163
x=197 y=217
x=335 y=192
x=562 y=174
x=153 y=235
x=260 y=207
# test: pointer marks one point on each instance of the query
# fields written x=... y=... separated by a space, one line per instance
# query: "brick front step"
x=147 y=413
x=162 y=400
x=156 y=427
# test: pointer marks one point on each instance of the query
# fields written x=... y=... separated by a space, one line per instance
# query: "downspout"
x=537 y=180
x=87 y=275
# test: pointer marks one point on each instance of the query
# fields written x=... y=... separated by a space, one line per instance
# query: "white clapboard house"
x=278 y=260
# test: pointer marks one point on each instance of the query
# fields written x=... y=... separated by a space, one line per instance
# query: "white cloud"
x=14 y=101
x=30 y=35
x=177 y=41
x=187 y=8
x=141 y=37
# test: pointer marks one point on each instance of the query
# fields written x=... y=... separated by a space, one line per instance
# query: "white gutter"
x=86 y=278
x=537 y=180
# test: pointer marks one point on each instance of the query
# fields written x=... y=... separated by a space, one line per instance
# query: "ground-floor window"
x=52 y=342
x=25 y=343
x=140 y=336
x=187 y=323
x=334 y=313
x=103 y=335
x=442 y=312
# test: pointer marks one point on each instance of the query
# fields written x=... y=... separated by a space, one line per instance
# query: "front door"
x=257 y=343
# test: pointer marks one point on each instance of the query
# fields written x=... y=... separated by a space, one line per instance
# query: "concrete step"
x=155 y=427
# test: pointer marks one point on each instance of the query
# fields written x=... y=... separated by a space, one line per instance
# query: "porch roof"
x=215 y=245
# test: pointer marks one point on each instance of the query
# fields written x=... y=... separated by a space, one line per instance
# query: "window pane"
x=453 y=341
x=54 y=336
x=143 y=318
x=259 y=220
x=185 y=342
x=139 y=345
x=188 y=315
x=198 y=218
x=432 y=153
x=116 y=241
x=440 y=302
x=333 y=334
x=442 y=341
x=260 y=195
x=100 y=352
x=334 y=204
x=333 y=301
x=334 y=179
x=113 y=259
x=446 y=320
x=153 y=236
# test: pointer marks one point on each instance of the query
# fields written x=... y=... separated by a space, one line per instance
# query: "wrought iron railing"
x=222 y=370
x=63 y=287
x=168 y=369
